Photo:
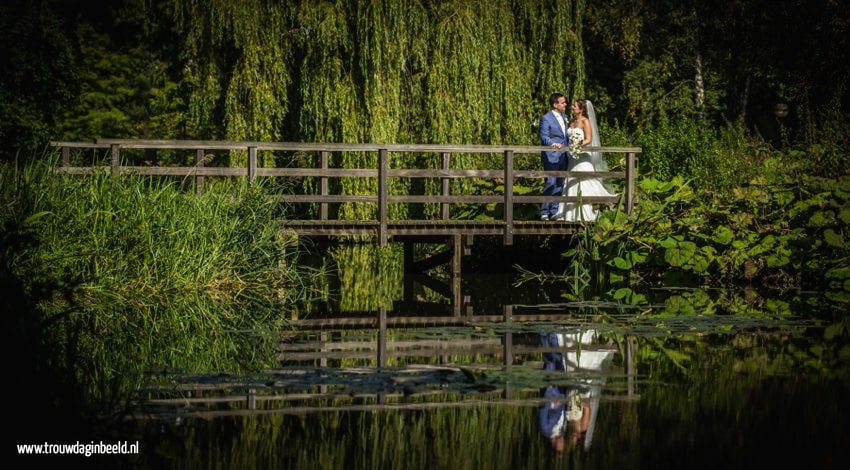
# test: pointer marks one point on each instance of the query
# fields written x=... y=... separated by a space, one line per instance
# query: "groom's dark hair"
x=555 y=97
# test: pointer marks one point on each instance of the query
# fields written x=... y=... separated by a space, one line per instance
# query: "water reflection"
x=567 y=417
x=676 y=379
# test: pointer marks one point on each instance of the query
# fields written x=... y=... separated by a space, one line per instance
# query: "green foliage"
x=39 y=76
x=123 y=93
x=128 y=274
x=786 y=233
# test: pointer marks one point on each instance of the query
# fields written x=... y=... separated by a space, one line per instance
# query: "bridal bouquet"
x=575 y=411
x=576 y=138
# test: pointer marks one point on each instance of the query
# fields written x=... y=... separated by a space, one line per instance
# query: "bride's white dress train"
x=573 y=212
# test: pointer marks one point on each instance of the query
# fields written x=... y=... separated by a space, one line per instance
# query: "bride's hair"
x=582 y=106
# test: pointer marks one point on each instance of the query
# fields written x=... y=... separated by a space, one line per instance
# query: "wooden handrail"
x=319 y=146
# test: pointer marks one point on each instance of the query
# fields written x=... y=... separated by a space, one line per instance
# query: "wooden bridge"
x=457 y=234
x=381 y=227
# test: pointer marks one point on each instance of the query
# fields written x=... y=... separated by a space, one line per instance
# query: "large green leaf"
x=834 y=239
x=669 y=242
x=844 y=215
x=723 y=235
x=679 y=255
x=821 y=219
x=620 y=263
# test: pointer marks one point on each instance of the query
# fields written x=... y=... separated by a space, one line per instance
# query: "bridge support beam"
x=415 y=270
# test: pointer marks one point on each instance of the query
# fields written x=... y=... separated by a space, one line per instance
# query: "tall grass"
x=118 y=275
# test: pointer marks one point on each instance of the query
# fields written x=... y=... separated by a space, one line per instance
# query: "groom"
x=553 y=133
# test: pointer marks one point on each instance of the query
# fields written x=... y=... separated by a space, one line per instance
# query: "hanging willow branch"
x=393 y=71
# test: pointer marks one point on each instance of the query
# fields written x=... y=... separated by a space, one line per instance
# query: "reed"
x=118 y=275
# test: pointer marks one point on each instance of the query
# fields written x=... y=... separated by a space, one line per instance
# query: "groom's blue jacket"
x=550 y=133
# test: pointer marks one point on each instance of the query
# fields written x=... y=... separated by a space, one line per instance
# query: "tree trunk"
x=699 y=87
x=745 y=97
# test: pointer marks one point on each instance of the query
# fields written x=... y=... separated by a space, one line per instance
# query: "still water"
x=520 y=372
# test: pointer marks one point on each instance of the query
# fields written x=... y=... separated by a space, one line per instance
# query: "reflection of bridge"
x=314 y=379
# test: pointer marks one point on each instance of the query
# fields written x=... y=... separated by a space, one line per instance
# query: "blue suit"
x=551 y=133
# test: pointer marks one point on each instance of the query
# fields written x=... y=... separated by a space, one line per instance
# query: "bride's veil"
x=596 y=158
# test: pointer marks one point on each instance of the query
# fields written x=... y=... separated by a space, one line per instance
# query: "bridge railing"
x=382 y=172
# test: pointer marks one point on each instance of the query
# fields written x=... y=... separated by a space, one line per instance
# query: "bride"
x=584 y=123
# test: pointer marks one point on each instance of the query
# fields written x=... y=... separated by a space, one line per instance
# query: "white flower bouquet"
x=576 y=139
x=575 y=410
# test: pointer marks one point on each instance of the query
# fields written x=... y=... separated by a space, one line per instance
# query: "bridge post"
x=630 y=365
x=66 y=156
x=508 y=341
x=509 y=197
x=382 y=337
x=115 y=150
x=383 y=168
x=444 y=206
x=630 y=182
x=457 y=251
x=252 y=164
x=323 y=184
x=199 y=163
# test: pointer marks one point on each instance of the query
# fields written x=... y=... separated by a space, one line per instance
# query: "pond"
x=517 y=372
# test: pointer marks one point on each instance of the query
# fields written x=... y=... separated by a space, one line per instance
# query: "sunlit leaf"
x=680 y=254
x=834 y=239
x=833 y=331
x=668 y=242
x=622 y=293
x=844 y=215
x=723 y=235
x=821 y=218
x=621 y=263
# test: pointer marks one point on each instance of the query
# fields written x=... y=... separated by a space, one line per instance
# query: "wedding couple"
x=557 y=132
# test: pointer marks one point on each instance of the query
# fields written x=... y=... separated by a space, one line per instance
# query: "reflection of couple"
x=568 y=413
x=556 y=132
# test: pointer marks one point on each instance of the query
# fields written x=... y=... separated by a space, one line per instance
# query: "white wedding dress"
x=573 y=212
x=584 y=161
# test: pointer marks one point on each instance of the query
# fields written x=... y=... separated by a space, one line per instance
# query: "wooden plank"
x=318 y=172
x=524 y=199
x=392 y=345
x=582 y=175
x=159 y=170
x=358 y=407
x=395 y=321
x=87 y=145
x=336 y=147
x=307 y=198
x=507 y=350
x=355 y=172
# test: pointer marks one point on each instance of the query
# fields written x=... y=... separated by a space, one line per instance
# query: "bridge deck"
x=431 y=227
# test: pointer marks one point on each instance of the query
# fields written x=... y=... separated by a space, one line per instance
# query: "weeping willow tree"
x=237 y=67
x=395 y=71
